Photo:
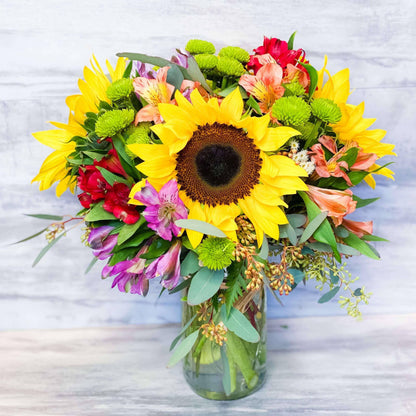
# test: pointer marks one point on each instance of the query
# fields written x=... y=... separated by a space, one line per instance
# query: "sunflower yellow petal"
x=275 y=138
x=231 y=108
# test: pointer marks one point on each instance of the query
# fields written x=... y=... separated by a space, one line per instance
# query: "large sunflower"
x=93 y=90
x=353 y=127
x=224 y=164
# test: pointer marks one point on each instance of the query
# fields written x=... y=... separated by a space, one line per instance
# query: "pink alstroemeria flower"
x=358 y=228
x=337 y=203
x=168 y=266
x=265 y=86
x=332 y=167
x=163 y=208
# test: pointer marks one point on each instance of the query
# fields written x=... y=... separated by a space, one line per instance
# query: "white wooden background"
x=45 y=44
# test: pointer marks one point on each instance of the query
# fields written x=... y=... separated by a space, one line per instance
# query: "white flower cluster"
x=302 y=159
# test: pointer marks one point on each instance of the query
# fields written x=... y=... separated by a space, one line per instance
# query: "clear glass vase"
x=243 y=362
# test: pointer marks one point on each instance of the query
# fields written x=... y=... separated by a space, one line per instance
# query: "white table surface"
x=317 y=366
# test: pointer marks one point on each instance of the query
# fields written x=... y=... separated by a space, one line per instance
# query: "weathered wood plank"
x=320 y=366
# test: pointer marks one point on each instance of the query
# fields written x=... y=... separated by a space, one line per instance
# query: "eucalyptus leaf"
x=290 y=232
x=46 y=249
x=239 y=324
x=190 y=264
x=334 y=278
x=204 y=285
x=329 y=295
x=264 y=251
x=297 y=220
x=30 y=237
x=341 y=232
x=226 y=375
x=90 y=266
x=313 y=226
x=184 y=328
x=183 y=348
x=200 y=226
x=175 y=77
x=297 y=274
x=195 y=74
x=46 y=217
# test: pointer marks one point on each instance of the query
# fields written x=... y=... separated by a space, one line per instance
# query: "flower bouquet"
x=218 y=175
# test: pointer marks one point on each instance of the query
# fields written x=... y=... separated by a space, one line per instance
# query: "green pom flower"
x=139 y=134
x=306 y=130
x=291 y=110
x=206 y=61
x=236 y=53
x=230 y=67
x=216 y=253
x=119 y=89
x=326 y=110
x=294 y=88
x=112 y=122
x=196 y=46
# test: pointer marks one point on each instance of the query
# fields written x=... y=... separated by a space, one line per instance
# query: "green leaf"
x=251 y=102
x=288 y=231
x=156 y=249
x=239 y=324
x=136 y=240
x=291 y=41
x=90 y=266
x=46 y=249
x=355 y=242
x=174 y=76
x=313 y=75
x=264 y=251
x=46 y=217
x=204 y=284
x=313 y=226
x=349 y=251
x=369 y=237
x=94 y=155
x=195 y=74
x=296 y=220
x=184 y=328
x=128 y=69
x=184 y=284
x=200 y=226
x=147 y=59
x=125 y=160
x=363 y=202
x=128 y=230
x=183 y=348
x=350 y=157
x=98 y=213
x=329 y=295
x=190 y=264
x=236 y=283
x=324 y=233
x=226 y=375
x=297 y=274
x=122 y=255
x=30 y=237
x=111 y=178
x=334 y=278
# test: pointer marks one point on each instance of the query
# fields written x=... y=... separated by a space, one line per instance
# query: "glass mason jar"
x=231 y=371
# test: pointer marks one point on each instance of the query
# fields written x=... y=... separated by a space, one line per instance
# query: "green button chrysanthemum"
x=230 y=66
x=216 y=253
x=197 y=46
x=236 y=53
x=326 y=110
x=206 y=61
x=291 y=110
x=120 y=89
x=112 y=122
x=294 y=88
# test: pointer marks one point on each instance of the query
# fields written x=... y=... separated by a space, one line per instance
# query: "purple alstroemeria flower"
x=130 y=275
x=145 y=70
x=101 y=242
x=168 y=266
x=163 y=208
x=181 y=58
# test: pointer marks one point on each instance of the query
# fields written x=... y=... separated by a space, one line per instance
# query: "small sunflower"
x=223 y=163
x=93 y=90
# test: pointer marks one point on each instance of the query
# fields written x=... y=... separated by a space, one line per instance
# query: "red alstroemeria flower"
x=93 y=184
x=116 y=203
x=278 y=49
x=112 y=163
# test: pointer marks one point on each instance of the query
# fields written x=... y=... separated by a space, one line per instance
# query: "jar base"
x=210 y=386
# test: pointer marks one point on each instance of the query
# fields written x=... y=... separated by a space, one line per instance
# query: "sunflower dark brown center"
x=219 y=165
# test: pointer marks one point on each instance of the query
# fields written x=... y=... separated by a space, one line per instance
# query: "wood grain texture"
x=44 y=46
x=316 y=366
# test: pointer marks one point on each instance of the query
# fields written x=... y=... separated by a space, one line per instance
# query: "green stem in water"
x=233 y=370
x=239 y=354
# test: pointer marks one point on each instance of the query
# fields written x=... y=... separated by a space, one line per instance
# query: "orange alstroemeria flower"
x=337 y=203
x=265 y=86
x=332 y=167
x=358 y=228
